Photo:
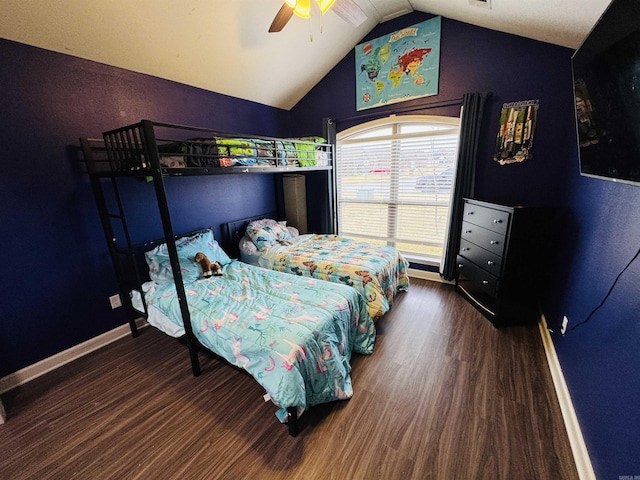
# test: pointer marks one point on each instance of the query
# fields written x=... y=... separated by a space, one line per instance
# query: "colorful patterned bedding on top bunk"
x=230 y=152
x=294 y=335
x=379 y=272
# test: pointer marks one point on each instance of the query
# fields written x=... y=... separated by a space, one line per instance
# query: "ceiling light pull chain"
x=312 y=13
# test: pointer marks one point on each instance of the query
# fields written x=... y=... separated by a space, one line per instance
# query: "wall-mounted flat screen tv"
x=606 y=76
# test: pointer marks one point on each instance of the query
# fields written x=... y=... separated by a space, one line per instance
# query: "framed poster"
x=400 y=66
x=514 y=143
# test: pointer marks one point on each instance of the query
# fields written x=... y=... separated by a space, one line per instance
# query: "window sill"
x=422 y=261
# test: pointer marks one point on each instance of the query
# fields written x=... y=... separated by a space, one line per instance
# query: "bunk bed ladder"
x=106 y=217
x=147 y=134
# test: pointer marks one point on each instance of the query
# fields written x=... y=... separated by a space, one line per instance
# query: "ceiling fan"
x=348 y=10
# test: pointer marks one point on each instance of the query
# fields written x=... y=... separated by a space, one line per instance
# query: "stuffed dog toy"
x=208 y=267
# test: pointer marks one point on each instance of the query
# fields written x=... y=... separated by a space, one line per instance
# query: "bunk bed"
x=337 y=320
x=378 y=272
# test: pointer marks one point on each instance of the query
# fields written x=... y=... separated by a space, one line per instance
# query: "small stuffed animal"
x=217 y=269
x=208 y=267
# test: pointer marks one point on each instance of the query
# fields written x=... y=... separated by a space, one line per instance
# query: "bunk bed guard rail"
x=181 y=150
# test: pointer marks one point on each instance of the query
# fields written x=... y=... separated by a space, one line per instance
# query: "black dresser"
x=502 y=258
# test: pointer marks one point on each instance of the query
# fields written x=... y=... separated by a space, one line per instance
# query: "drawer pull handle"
x=494 y=242
x=460 y=265
x=497 y=220
x=466 y=249
x=485 y=282
x=489 y=262
x=470 y=212
x=467 y=231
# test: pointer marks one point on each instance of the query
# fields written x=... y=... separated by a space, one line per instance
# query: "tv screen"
x=606 y=75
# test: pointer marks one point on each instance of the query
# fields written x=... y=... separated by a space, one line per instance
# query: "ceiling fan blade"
x=282 y=18
x=350 y=12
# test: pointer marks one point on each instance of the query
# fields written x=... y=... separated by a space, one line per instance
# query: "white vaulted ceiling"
x=224 y=46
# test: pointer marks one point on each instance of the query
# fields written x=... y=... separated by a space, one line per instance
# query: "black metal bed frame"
x=133 y=151
x=235 y=229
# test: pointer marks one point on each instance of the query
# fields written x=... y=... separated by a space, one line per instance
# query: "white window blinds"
x=394 y=181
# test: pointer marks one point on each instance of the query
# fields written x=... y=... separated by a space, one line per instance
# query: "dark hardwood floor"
x=444 y=396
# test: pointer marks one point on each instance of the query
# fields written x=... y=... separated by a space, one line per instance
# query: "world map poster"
x=399 y=66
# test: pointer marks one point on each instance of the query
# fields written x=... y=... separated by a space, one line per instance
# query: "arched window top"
x=398 y=125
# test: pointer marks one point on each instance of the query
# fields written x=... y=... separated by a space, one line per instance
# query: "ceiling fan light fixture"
x=325 y=5
x=302 y=8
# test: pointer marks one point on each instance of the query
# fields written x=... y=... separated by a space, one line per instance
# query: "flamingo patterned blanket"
x=294 y=335
x=378 y=272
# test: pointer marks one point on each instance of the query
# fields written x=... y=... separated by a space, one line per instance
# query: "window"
x=394 y=181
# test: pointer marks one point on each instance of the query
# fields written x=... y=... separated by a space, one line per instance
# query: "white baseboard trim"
x=32 y=372
x=426 y=275
x=578 y=447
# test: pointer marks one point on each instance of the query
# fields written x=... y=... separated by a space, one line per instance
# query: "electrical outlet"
x=565 y=322
x=115 y=301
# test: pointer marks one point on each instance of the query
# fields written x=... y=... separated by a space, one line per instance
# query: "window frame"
x=366 y=132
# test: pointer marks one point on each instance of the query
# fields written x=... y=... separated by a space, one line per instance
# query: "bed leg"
x=195 y=362
x=292 y=420
x=134 y=328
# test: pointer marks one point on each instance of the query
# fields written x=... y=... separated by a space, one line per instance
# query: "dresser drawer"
x=489 y=218
x=483 y=258
x=485 y=238
x=476 y=282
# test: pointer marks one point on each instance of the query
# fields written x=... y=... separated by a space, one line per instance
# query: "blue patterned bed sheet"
x=294 y=335
x=378 y=272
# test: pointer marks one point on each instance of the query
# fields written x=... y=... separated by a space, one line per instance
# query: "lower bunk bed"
x=294 y=335
x=378 y=272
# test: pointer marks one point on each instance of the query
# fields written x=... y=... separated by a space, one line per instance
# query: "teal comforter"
x=294 y=335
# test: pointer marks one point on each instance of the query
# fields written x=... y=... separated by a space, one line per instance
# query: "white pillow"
x=247 y=246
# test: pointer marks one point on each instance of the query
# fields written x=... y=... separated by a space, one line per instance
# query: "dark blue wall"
x=600 y=359
x=56 y=274
x=476 y=59
x=599 y=222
